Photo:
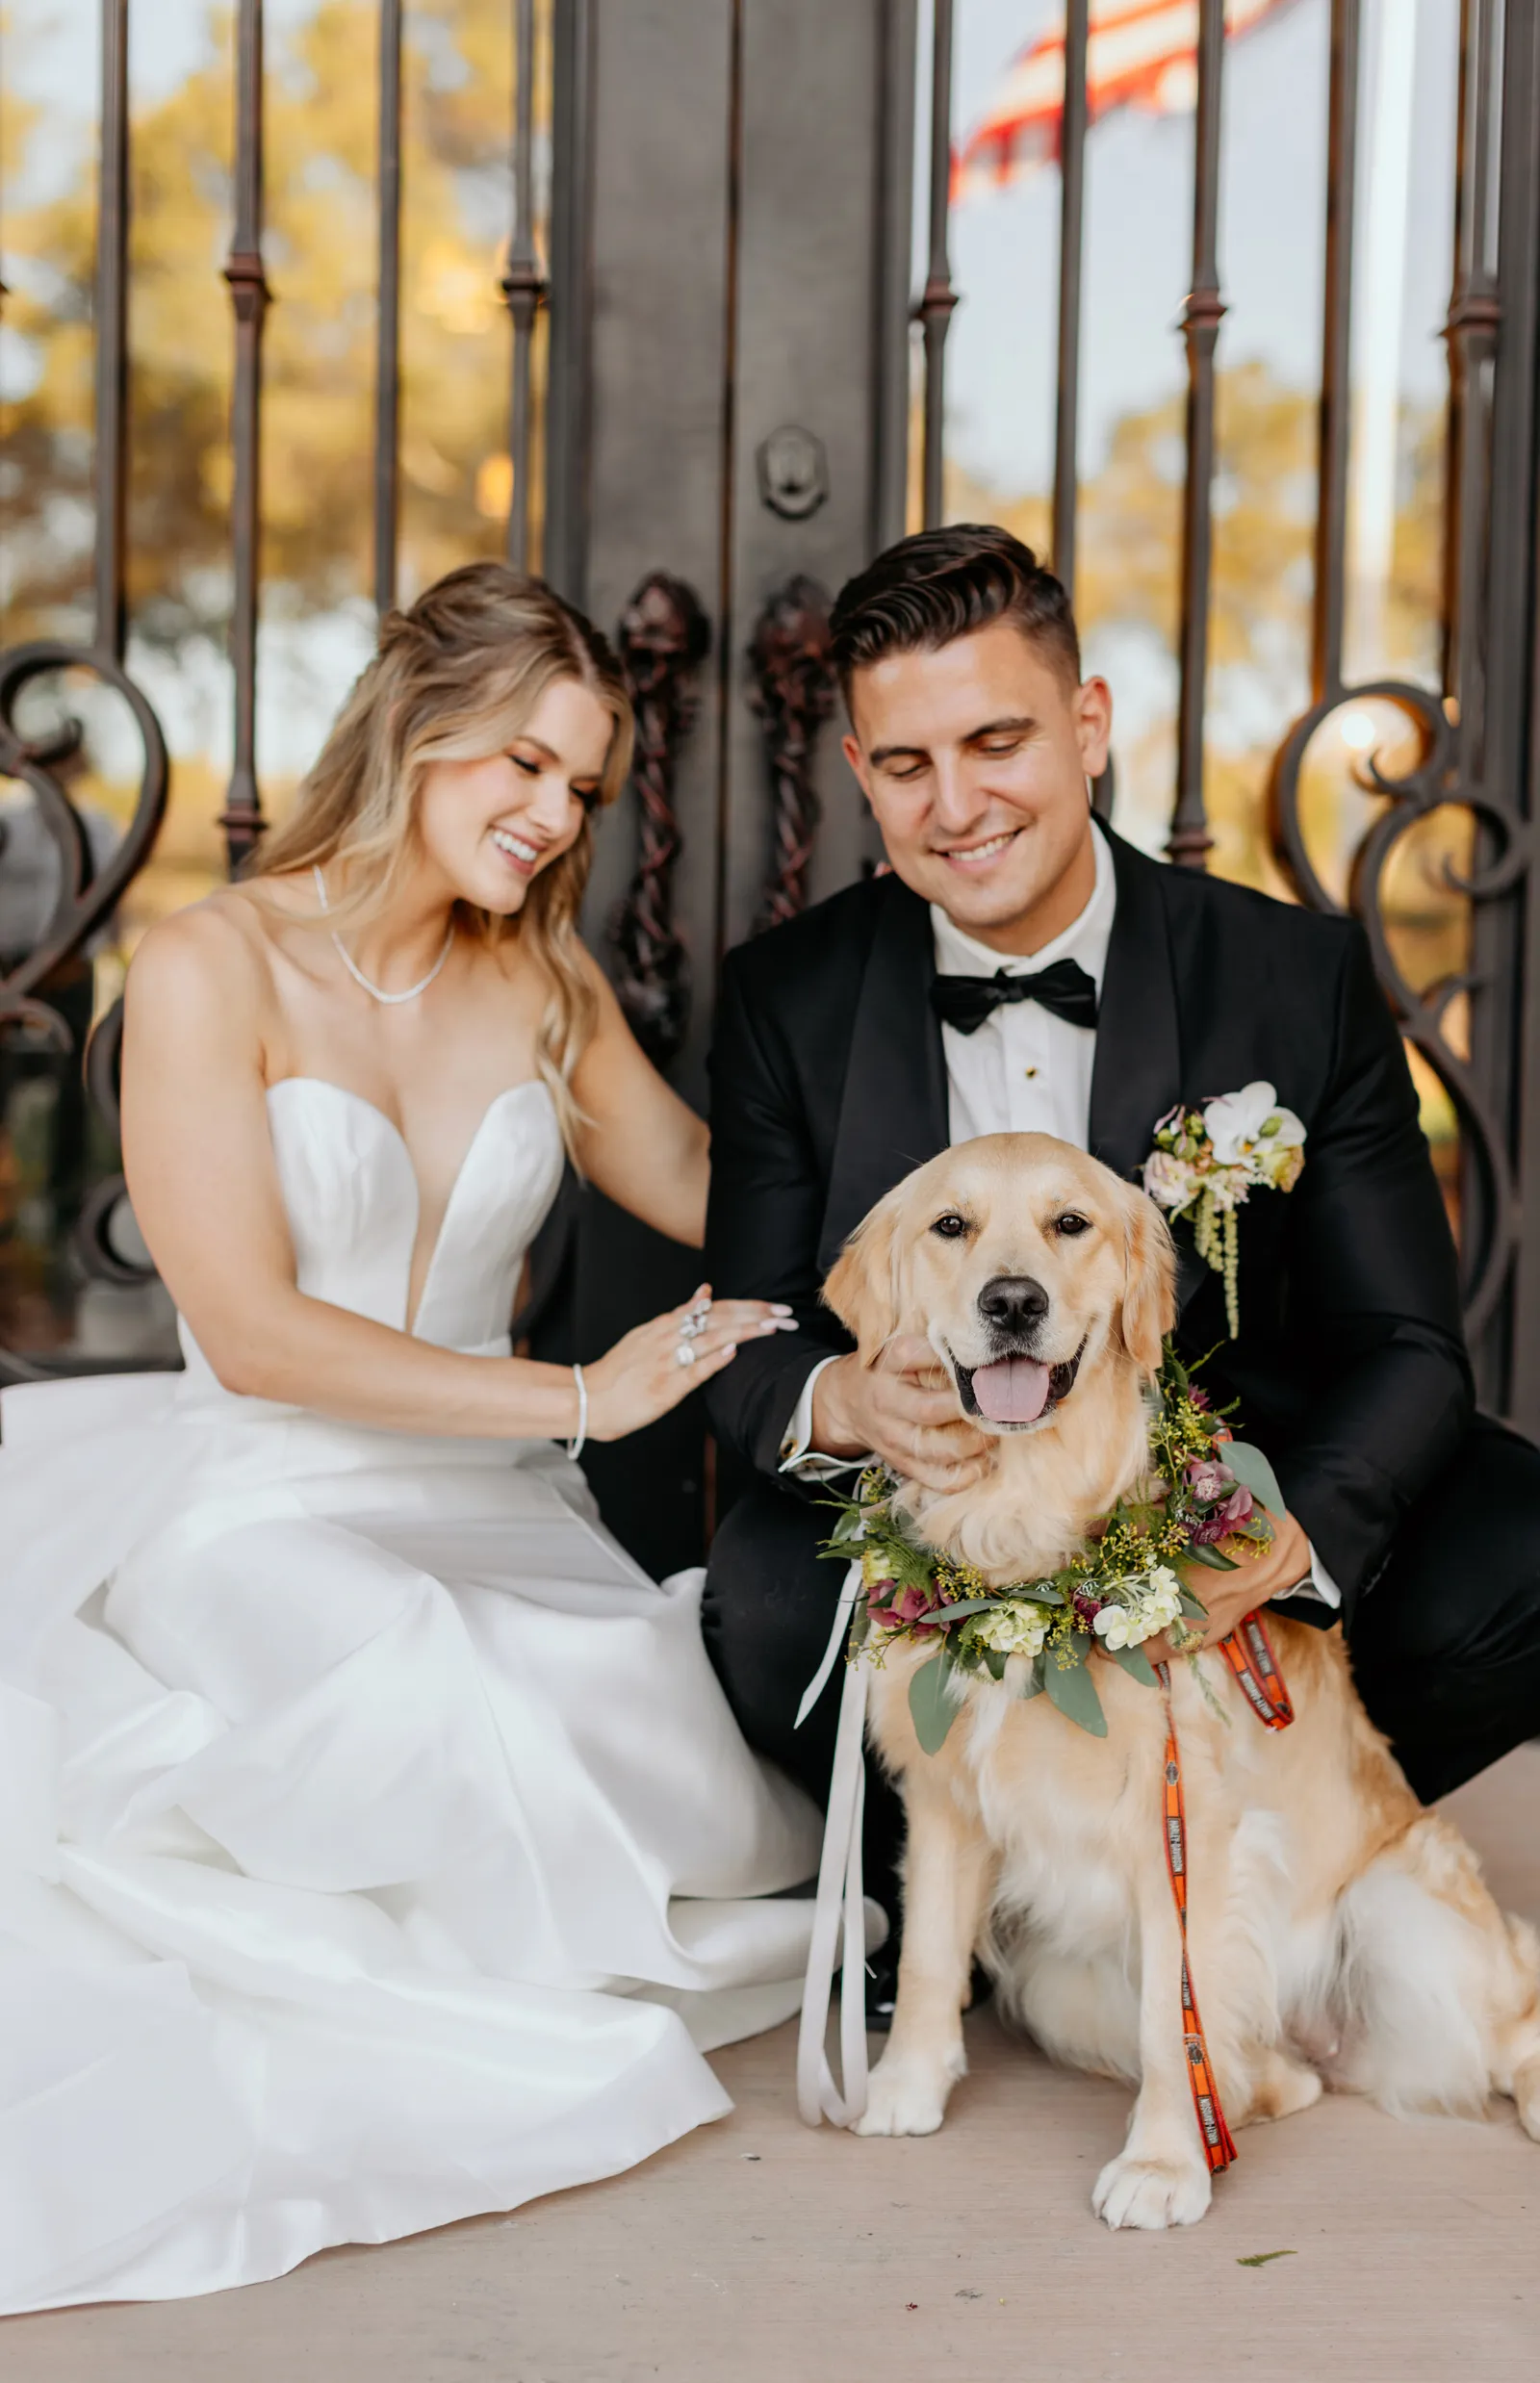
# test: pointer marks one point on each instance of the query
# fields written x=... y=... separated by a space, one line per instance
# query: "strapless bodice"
x=350 y=1194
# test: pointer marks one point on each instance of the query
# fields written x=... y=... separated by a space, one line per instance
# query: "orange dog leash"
x=1248 y=1652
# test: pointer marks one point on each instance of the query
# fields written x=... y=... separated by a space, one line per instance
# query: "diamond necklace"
x=356 y=972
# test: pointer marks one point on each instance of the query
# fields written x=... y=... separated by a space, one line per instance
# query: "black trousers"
x=1446 y=1643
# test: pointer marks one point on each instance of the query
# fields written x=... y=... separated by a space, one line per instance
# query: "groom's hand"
x=903 y=1410
x=1272 y=1571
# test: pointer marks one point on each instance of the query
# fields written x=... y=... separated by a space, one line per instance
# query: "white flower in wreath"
x=1157 y=1604
x=1018 y=1628
x=1236 y=1120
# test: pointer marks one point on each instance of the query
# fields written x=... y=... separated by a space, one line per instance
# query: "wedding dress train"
x=375 y=1845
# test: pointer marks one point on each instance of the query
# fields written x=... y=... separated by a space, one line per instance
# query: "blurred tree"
x=319 y=354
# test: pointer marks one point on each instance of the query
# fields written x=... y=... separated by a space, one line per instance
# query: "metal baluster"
x=242 y=819
x=1329 y=610
x=1191 y=842
x=1470 y=336
x=934 y=312
x=387 y=366
x=110 y=327
x=1073 y=128
x=522 y=285
x=1491 y=1206
x=1071 y=242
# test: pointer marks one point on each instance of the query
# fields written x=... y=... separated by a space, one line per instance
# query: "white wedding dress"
x=376 y=1844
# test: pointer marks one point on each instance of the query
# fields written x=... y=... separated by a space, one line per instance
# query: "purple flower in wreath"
x=1237 y=1509
x=1201 y=1399
x=1208 y=1479
x=910 y=1607
x=1087 y=1608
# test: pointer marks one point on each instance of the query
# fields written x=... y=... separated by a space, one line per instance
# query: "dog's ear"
x=863 y=1285
x=1149 y=1278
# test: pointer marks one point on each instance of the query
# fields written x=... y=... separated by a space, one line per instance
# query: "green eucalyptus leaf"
x=1211 y=1556
x=1136 y=1664
x=1032 y=1682
x=994 y=1662
x=1074 y=1692
x=930 y=1705
x=1194 y=1607
x=1250 y=1466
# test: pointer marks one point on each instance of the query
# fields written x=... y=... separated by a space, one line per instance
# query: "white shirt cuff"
x=796 y=1453
x=1319 y=1585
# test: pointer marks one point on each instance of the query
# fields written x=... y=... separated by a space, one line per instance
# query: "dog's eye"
x=1072 y=1224
x=951 y=1227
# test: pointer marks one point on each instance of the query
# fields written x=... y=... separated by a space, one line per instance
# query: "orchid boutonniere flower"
x=1206 y=1162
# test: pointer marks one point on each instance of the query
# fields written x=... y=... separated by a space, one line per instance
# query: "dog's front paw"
x=905 y=2098
x=1153 y=2193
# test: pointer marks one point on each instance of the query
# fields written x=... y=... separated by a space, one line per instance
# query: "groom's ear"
x=864 y=1288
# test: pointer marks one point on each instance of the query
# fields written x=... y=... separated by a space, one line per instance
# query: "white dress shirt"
x=1023 y=1071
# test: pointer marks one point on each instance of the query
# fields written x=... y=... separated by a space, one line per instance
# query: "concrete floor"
x=757 y=2252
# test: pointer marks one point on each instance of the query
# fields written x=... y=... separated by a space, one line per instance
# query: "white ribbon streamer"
x=839 y=1895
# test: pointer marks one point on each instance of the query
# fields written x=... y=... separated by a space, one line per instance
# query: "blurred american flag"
x=1140 y=54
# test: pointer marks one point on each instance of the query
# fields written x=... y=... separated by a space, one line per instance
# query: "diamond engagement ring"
x=694 y=1324
x=683 y=1354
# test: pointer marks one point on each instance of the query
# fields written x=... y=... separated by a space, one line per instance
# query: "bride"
x=375 y=1845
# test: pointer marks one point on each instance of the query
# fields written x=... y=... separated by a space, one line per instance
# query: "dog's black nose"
x=1013 y=1302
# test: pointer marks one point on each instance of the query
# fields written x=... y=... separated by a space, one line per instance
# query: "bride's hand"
x=642 y=1377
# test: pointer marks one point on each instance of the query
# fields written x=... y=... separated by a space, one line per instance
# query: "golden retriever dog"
x=1338 y=1932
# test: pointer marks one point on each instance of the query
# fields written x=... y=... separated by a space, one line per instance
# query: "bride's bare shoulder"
x=221 y=949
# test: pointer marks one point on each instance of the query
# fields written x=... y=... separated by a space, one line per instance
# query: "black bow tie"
x=966 y=1001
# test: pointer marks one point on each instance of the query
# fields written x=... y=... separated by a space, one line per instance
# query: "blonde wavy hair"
x=457 y=676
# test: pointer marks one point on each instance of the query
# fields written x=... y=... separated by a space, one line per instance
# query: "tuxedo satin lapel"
x=1137 y=1074
x=894 y=1113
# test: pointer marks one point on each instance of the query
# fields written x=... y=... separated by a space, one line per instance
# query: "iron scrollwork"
x=84 y=899
x=663 y=638
x=1439 y=775
x=794 y=694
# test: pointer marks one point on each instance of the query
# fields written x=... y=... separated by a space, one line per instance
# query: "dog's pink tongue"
x=1016 y=1391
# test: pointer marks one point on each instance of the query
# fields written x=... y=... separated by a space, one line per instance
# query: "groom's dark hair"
x=944 y=584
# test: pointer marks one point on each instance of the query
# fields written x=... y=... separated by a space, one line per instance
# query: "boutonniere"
x=1207 y=1161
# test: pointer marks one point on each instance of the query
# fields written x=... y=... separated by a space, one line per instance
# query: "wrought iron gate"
x=707 y=286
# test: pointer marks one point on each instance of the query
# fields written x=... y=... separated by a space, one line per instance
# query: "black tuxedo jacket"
x=829 y=1085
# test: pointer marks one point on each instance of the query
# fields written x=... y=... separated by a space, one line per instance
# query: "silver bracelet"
x=575 y=1447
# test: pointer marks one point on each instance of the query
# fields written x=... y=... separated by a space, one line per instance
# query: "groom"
x=1023 y=969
